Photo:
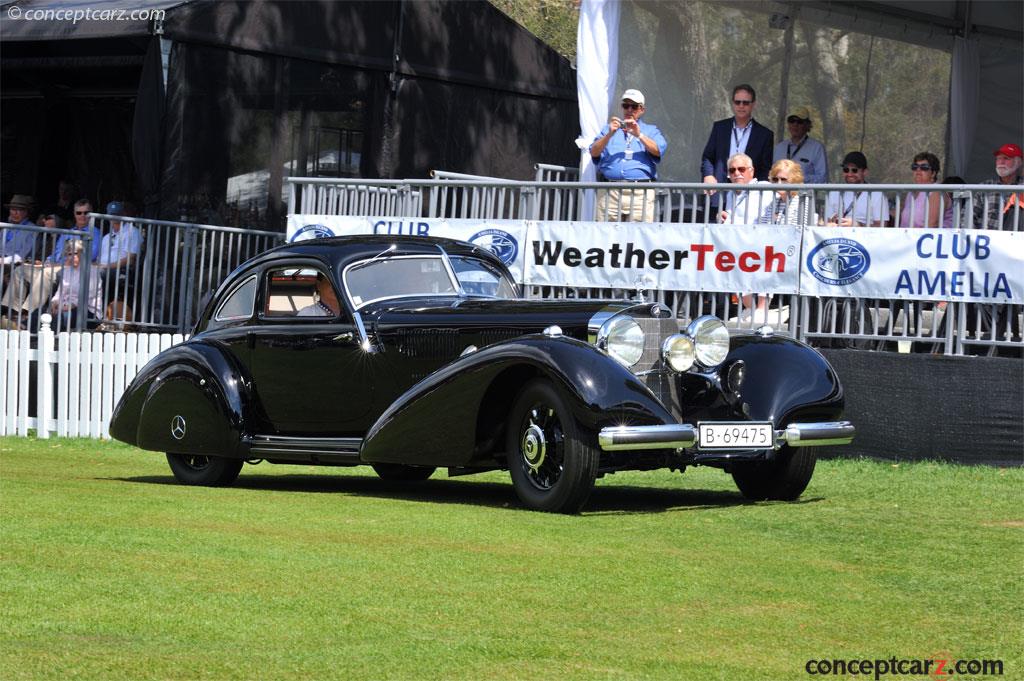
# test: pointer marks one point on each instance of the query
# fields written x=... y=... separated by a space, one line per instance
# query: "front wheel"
x=552 y=462
x=207 y=471
x=397 y=472
x=783 y=479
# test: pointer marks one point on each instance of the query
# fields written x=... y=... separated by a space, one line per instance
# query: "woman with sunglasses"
x=923 y=208
x=788 y=208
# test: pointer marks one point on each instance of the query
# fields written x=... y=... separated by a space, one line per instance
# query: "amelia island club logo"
x=499 y=242
x=311 y=232
x=838 y=262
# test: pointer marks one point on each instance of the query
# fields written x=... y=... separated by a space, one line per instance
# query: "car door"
x=310 y=373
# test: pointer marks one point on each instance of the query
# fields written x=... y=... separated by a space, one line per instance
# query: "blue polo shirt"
x=613 y=163
x=58 y=248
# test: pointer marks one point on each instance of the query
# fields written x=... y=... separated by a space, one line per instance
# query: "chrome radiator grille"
x=652 y=371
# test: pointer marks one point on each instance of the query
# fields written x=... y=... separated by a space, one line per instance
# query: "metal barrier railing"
x=951 y=328
x=152 y=275
x=457 y=195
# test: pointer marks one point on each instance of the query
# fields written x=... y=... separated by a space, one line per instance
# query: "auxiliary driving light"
x=678 y=352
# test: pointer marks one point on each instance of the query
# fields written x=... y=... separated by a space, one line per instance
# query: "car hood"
x=527 y=315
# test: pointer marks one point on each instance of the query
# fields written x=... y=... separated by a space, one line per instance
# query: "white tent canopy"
x=970 y=93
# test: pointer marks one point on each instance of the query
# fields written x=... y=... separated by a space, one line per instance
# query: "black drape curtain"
x=147 y=130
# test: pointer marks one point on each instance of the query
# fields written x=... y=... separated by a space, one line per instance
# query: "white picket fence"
x=79 y=378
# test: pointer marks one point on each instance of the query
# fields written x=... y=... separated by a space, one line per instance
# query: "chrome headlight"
x=711 y=340
x=623 y=339
x=678 y=352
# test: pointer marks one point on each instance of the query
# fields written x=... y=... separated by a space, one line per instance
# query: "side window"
x=239 y=303
x=300 y=292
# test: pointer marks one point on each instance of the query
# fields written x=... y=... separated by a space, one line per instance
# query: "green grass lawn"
x=110 y=570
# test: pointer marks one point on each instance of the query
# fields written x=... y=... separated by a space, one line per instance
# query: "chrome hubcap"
x=534 y=447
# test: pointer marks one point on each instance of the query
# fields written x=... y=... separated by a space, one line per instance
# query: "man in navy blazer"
x=740 y=134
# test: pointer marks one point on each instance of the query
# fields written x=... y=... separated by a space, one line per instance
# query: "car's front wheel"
x=208 y=471
x=552 y=462
x=401 y=473
x=783 y=479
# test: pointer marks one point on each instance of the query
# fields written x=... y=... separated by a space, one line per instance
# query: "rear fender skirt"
x=190 y=399
x=436 y=421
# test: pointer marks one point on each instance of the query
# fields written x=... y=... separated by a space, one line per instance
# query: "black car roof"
x=339 y=251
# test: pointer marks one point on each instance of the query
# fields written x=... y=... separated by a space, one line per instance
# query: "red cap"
x=1010 y=150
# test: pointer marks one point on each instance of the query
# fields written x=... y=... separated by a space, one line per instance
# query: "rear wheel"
x=552 y=461
x=783 y=479
x=401 y=473
x=208 y=471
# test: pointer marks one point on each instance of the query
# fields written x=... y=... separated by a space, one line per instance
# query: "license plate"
x=742 y=435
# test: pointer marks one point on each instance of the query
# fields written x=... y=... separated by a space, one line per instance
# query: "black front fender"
x=189 y=399
x=454 y=414
x=787 y=380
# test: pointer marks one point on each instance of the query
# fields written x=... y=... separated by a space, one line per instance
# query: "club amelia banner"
x=957 y=265
x=913 y=264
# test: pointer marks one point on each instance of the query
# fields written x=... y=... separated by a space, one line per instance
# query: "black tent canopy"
x=229 y=97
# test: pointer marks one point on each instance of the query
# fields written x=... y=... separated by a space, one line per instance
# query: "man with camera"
x=628 y=151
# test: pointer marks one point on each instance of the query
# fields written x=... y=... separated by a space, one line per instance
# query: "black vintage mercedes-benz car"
x=413 y=353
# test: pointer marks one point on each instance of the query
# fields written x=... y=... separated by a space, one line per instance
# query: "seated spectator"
x=64 y=303
x=32 y=284
x=742 y=207
x=18 y=244
x=118 y=251
x=924 y=208
x=994 y=210
x=65 y=205
x=853 y=208
x=788 y=208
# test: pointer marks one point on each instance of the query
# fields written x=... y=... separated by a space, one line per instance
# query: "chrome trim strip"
x=451 y=271
x=278 y=444
x=672 y=436
x=817 y=434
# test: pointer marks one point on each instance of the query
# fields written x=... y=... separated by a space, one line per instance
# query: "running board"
x=329 y=450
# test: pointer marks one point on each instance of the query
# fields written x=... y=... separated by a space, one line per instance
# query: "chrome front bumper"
x=684 y=436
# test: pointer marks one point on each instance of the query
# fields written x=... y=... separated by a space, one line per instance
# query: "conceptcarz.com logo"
x=838 y=262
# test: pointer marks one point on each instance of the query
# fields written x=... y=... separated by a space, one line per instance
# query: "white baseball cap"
x=634 y=96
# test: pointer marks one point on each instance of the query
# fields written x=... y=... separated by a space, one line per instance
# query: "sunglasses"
x=794 y=119
x=920 y=166
x=81 y=212
x=741 y=169
x=778 y=179
x=742 y=102
x=630 y=105
x=851 y=169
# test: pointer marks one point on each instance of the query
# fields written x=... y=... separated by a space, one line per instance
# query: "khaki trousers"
x=628 y=204
x=30 y=286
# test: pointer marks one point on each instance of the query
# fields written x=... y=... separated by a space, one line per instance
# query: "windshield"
x=424 y=275
x=398 y=277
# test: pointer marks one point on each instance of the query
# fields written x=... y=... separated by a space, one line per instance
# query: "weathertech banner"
x=861 y=262
x=762 y=258
x=914 y=264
